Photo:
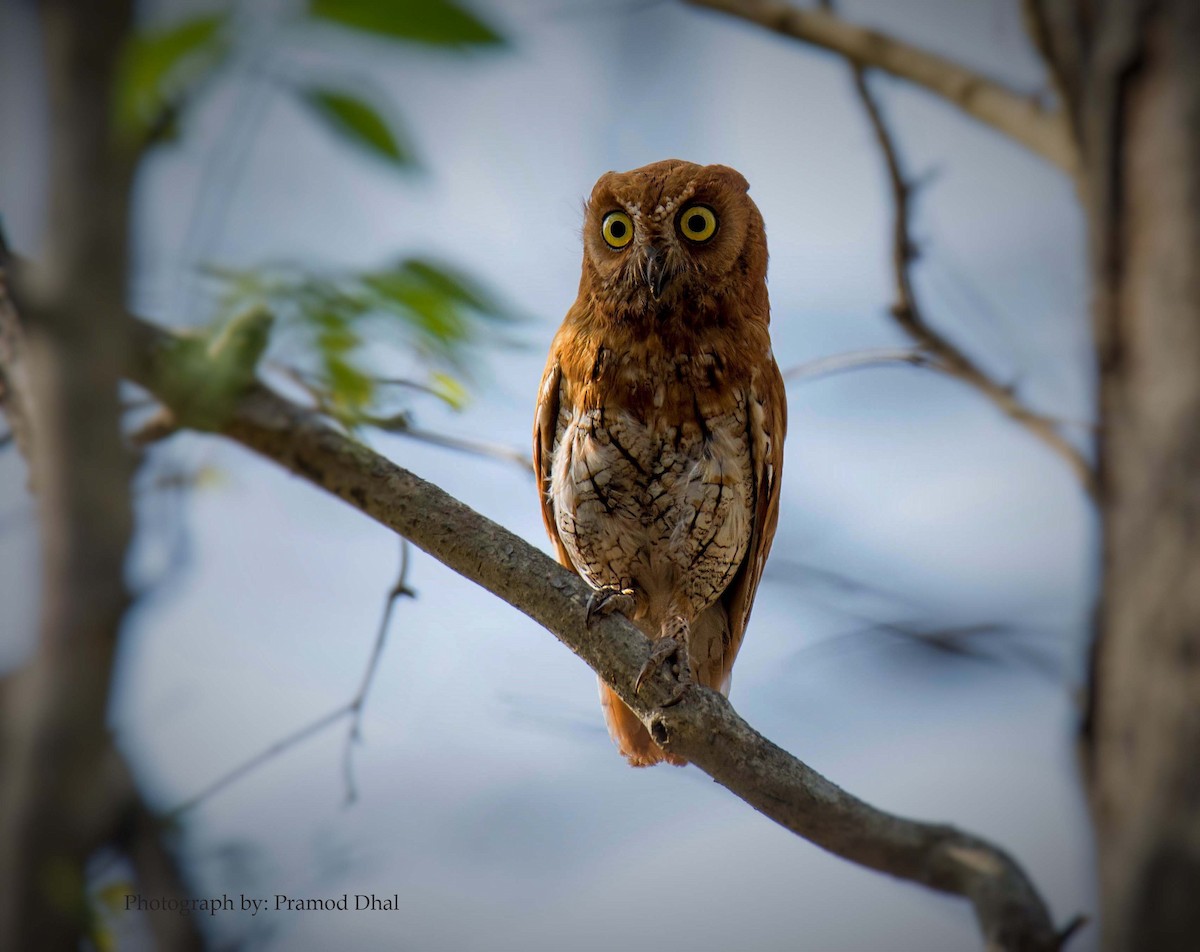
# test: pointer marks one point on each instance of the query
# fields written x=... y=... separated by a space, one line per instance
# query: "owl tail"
x=630 y=735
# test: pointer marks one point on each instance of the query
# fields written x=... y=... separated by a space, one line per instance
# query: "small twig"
x=352 y=709
x=908 y=313
x=1071 y=928
x=397 y=591
x=408 y=385
x=159 y=426
x=280 y=746
x=856 y=360
x=401 y=423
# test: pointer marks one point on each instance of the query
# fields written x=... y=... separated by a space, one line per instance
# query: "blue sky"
x=490 y=797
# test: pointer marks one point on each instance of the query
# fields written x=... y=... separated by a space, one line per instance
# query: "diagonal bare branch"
x=946 y=356
x=703 y=727
x=1022 y=118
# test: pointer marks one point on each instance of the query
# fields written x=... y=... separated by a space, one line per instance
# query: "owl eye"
x=698 y=223
x=617 y=229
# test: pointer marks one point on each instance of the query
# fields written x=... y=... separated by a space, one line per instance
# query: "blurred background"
x=919 y=634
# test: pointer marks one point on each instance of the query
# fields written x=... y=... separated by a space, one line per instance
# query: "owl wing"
x=766 y=422
x=545 y=436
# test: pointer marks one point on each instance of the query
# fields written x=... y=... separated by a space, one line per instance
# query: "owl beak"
x=656 y=272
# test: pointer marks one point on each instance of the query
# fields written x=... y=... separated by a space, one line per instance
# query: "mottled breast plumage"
x=662 y=505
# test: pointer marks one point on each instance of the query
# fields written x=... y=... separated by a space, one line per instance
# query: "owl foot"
x=604 y=601
x=672 y=645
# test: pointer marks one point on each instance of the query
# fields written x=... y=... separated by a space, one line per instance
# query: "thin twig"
x=352 y=709
x=226 y=160
x=401 y=423
x=156 y=428
x=397 y=591
x=497 y=451
x=821 y=367
x=252 y=763
x=1022 y=118
x=909 y=315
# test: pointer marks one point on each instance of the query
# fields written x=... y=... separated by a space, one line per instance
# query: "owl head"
x=674 y=237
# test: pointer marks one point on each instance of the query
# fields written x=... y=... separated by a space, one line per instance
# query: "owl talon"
x=664 y=648
x=605 y=601
x=678 y=694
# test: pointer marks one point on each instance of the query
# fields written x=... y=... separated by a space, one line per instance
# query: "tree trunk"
x=66 y=790
x=1131 y=77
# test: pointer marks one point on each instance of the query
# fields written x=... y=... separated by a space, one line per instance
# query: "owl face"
x=670 y=233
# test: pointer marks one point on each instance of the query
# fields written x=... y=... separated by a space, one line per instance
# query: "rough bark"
x=66 y=790
x=703 y=728
x=1132 y=79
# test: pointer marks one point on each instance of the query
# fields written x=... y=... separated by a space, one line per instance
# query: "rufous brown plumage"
x=658 y=437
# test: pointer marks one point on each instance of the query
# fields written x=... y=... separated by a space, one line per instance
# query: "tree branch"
x=1021 y=118
x=703 y=727
x=945 y=355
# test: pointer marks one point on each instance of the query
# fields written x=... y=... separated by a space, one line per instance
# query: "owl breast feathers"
x=658 y=438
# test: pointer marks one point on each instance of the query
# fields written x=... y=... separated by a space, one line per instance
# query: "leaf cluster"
x=426 y=308
x=161 y=69
x=432 y=311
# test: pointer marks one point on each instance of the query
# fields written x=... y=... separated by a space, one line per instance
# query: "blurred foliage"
x=360 y=123
x=431 y=309
x=160 y=68
x=106 y=906
x=436 y=22
x=204 y=374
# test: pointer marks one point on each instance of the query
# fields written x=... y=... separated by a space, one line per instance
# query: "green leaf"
x=335 y=339
x=453 y=285
x=350 y=389
x=158 y=68
x=427 y=309
x=449 y=389
x=434 y=22
x=358 y=122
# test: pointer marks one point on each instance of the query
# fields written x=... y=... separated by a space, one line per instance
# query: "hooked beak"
x=656 y=272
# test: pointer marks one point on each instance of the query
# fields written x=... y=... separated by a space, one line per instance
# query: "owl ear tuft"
x=731 y=177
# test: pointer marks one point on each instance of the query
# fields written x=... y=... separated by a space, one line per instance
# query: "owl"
x=658 y=436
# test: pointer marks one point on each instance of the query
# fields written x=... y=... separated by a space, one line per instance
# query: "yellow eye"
x=617 y=229
x=698 y=223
